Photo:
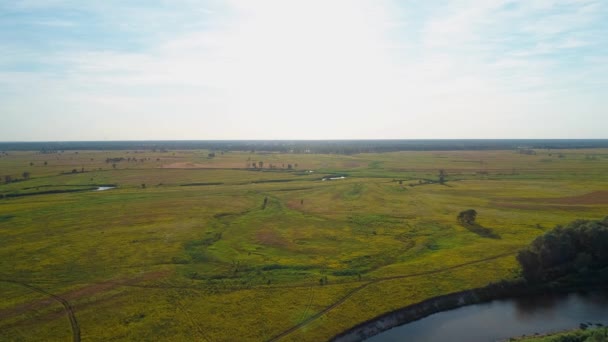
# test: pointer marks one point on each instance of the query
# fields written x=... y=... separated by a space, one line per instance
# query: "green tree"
x=579 y=246
x=467 y=217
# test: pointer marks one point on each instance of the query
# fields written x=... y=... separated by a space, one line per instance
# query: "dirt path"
x=375 y=281
x=68 y=308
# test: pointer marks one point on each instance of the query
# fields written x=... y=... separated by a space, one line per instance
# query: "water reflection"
x=528 y=307
x=501 y=319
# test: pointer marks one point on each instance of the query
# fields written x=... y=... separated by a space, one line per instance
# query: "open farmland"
x=192 y=247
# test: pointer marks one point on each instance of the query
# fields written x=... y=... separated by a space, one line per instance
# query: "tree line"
x=580 y=246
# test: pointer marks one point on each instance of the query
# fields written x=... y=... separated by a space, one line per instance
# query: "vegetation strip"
x=68 y=308
x=202 y=184
x=47 y=192
x=375 y=281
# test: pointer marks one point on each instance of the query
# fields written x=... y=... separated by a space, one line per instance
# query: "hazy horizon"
x=308 y=140
x=303 y=70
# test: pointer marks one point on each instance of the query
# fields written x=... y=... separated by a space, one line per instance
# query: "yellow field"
x=197 y=254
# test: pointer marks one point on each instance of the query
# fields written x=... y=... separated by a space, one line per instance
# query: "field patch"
x=537 y=207
x=270 y=237
x=568 y=203
x=596 y=197
x=89 y=291
x=184 y=165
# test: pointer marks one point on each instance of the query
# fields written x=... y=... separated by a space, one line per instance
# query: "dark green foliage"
x=202 y=184
x=347 y=272
x=577 y=247
x=4 y=218
x=272 y=267
x=467 y=217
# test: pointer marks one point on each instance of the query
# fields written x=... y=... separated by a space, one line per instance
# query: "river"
x=500 y=319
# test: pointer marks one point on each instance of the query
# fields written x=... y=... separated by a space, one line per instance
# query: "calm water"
x=104 y=188
x=501 y=319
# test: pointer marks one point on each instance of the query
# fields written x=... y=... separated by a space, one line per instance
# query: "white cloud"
x=322 y=69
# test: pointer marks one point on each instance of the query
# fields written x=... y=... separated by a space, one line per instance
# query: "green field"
x=188 y=247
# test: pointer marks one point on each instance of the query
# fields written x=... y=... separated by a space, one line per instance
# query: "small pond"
x=333 y=178
x=103 y=188
x=501 y=319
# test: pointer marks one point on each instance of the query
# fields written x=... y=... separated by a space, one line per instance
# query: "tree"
x=441 y=176
x=261 y=164
x=46 y=163
x=467 y=217
x=8 y=179
x=31 y=163
x=580 y=246
x=26 y=175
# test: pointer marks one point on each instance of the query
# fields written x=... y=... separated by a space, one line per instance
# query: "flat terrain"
x=192 y=247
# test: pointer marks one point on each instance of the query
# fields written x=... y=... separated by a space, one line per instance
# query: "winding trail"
x=378 y=280
x=68 y=308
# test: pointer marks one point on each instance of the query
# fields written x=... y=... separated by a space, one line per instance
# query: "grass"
x=195 y=255
x=593 y=334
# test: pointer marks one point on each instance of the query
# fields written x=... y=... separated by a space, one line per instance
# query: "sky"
x=307 y=69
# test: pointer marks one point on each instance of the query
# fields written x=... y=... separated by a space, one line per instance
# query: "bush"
x=467 y=217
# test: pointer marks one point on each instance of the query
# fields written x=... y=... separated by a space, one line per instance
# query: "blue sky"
x=314 y=69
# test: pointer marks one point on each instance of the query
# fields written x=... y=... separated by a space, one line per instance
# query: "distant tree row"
x=9 y=179
x=309 y=146
x=260 y=165
x=129 y=159
x=579 y=246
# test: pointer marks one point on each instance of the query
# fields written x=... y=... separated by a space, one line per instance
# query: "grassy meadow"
x=192 y=247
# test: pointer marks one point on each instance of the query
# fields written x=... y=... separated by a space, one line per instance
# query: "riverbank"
x=502 y=290
x=597 y=333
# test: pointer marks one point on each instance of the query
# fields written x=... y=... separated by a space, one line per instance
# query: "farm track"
x=375 y=281
x=308 y=305
x=68 y=308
